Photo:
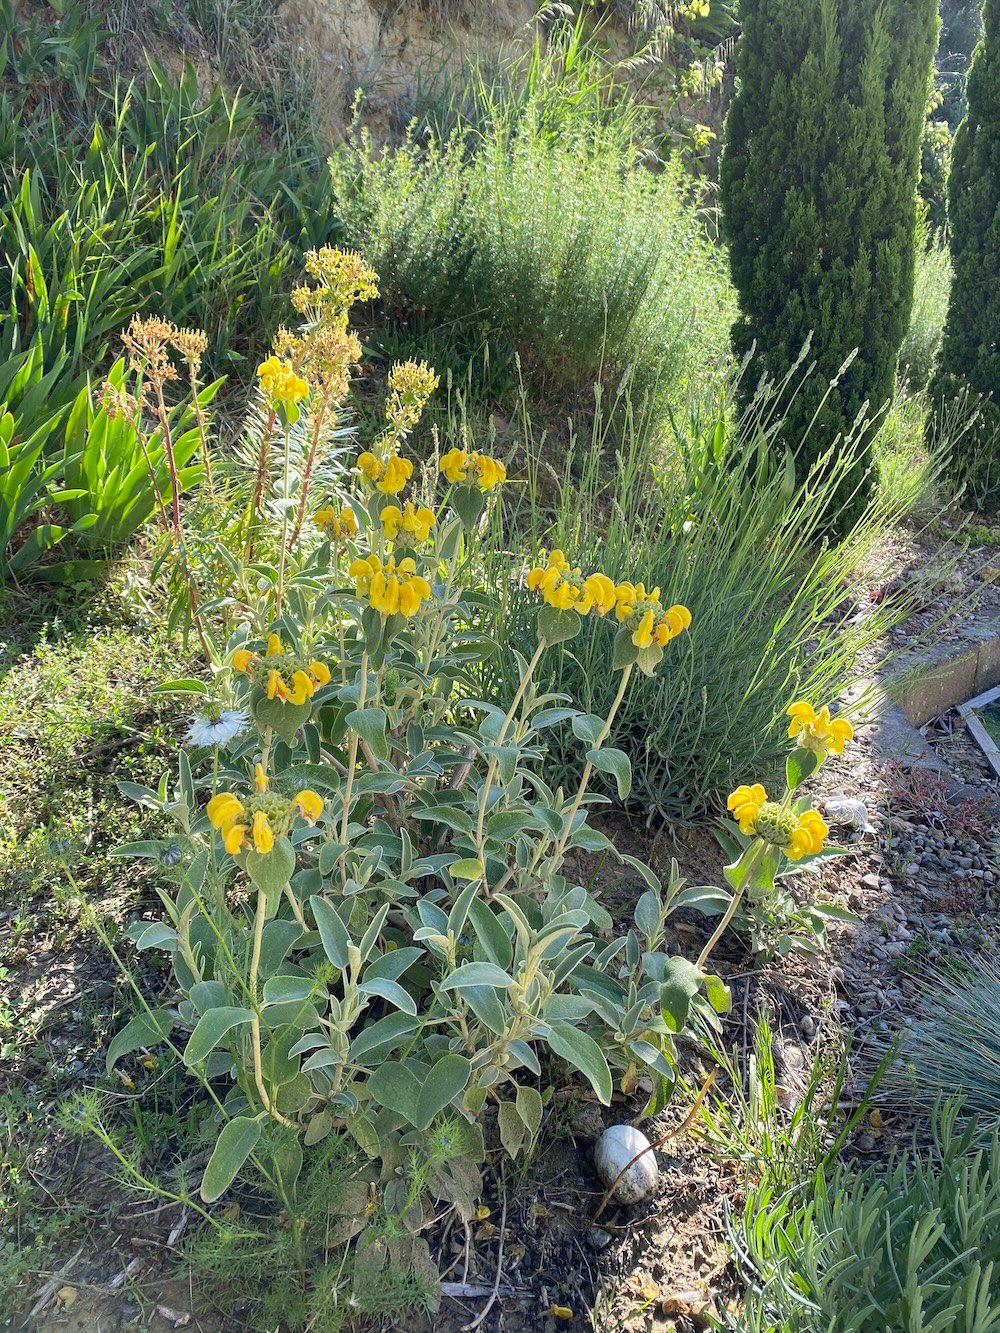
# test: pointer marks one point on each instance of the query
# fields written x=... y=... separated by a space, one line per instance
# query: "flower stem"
x=352 y=763
x=589 y=768
x=491 y=769
x=734 y=902
x=258 y=935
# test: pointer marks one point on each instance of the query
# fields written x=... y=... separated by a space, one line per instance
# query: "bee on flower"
x=415 y=523
x=391 y=588
x=568 y=589
x=388 y=475
x=797 y=835
x=818 y=731
x=337 y=525
x=280 y=674
x=463 y=467
x=279 y=383
x=257 y=820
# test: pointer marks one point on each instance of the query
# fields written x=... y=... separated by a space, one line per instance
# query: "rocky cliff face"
x=390 y=48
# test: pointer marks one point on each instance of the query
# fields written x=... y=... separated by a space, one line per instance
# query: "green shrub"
x=931 y=286
x=542 y=225
x=727 y=525
x=932 y=1064
x=373 y=919
x=912 y=1245
x=970 y=359
x=818 y=189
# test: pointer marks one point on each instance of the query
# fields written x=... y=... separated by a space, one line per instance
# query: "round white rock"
x=613 y=1151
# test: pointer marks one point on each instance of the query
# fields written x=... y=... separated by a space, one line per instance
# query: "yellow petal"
x=274 y=645
x=232 y=839
x=242 y=659
x=263 y=834
x=224 y=808
x=320 y=672
x=260 y=778
x=310 y=805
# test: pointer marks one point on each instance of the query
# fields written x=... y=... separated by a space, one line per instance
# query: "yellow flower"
x=746 y=803
x=274 y=646
x=818 y=731
x=461 y=465
x=276 y=687
x=602 y=591
x=280 y=384
x=337 y=526
x=242 y=659
x=310 y=805
x=416 y=523
x=302 y=689
x=651 y=623
x=224 y=809
x=490 y=472
x=391 y=589
x=388 y=475
x=260 y=779
x=455 y=465
x=808 y=837
x=568 y=589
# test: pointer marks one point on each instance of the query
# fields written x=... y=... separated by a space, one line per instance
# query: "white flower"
x=217 y=730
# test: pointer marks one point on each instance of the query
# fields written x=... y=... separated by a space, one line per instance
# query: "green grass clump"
x=952 y=1045
x=722 y=524
x=913 y=1245
x=541 y=221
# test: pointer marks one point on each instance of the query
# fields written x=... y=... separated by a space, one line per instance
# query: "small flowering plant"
x=377 y=927
x=771 y=840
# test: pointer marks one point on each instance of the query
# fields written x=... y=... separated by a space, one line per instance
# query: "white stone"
x=613 y=1151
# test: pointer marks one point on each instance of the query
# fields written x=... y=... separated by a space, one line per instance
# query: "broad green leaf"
x=512 y=1128
x=391 y=991
x=271 y=871
x=332 y=931
x=468 y=868
x=584 y=1054
x=529 y=1107
x=395 y=1086
x=477 y=974
x=234 y=1145
x=490 y=934
x=210 y=1030
x=370 y=724
x=615 y=762
x=800 y=765
x=555 y=626
x=681 y=981
x=145 y=1029
x=587 y=727
x=445 y=1081
x=704 y=898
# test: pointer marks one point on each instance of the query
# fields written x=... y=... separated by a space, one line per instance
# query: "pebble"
x=808 y=1026
x=871 y=881
x=865 y=1143
x=613 y=1151
x=599 y=1239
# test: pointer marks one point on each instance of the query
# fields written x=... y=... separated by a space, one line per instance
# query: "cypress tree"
x=818 y=188
x=969 y=366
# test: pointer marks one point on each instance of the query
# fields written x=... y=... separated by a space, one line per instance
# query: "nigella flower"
x=217 y=727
